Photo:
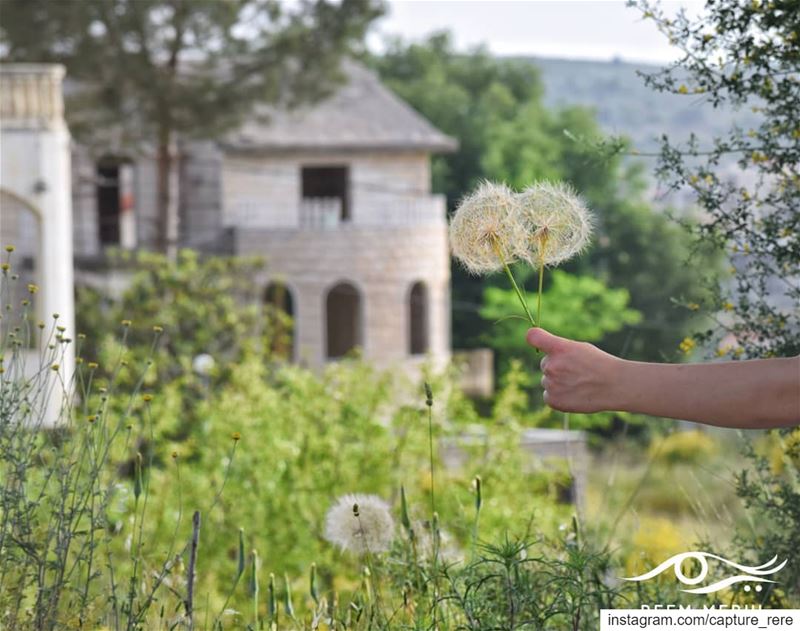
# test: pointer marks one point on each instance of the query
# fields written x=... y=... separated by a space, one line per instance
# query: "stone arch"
x=343 y=320
x=21 y=227
x=418 y=319
x=280 y=318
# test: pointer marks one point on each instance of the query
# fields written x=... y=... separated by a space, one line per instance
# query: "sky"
x=574 y=29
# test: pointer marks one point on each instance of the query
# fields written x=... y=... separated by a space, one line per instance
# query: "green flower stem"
x=522 y=300
x=541 y=281
x=539 y=298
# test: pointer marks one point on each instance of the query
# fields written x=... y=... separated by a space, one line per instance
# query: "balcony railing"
x=30 y=96
x=326 y=214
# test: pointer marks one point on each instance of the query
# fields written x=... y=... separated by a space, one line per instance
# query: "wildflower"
x=54 y=367
x=92 y=365
x=727 y=306
x=91 y=418
x=158 y=329
x=126 y=323
x=61 y=329
x=81 y=336
x=9 y=248
x=56 y=316
x=174 y=455
x=5 y=267
x=32 y=289
x=360 y=524
x=236 y=436
x=25 y=303
x=40 y=324
x=687 y=345
x=147 y=397
x=554 y=224
x=683 y=89
x=481 y=230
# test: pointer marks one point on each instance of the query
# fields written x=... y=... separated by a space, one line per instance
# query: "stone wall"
x=383 y=263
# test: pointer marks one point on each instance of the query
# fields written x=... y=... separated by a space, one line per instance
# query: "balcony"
x=325 y=214
x=30 y=96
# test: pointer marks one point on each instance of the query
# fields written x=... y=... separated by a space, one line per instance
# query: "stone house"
x=336 y=196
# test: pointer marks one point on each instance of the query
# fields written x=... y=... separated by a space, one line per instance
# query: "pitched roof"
x=361 y=114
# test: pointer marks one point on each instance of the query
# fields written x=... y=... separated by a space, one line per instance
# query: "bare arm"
x=579 y=377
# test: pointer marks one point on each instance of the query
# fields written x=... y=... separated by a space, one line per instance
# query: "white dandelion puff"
x=360 y=523
x=553 y=224
x=482 y=229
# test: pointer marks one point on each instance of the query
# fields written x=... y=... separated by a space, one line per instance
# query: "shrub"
x=680 y=447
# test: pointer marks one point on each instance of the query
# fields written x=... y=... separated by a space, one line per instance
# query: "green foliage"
x=199 y=305
x=684 y=447
x=494 y=108
x=95 y=528
x=743 y=55
x=131 y=56
x=573 y=306
x=737 y=55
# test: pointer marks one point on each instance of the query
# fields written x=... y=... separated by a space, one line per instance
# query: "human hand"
x=577 y=376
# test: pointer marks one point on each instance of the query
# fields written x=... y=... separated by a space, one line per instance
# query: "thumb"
x=544 y=341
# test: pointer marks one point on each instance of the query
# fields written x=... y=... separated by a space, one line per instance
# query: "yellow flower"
x=126 y=323
x=147 y=397
x=92 y=365
x=687 y=345
x=727 y=306
x=693 y=306
x=174 y=455
x=5 y=267
x=158 y=329
x=54 y=367
x=32 y=289
x=92 y=418
x=9 y=248
x=236 y=436
x=683 y=89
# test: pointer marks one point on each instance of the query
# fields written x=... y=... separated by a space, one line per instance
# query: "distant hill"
x=625 y=105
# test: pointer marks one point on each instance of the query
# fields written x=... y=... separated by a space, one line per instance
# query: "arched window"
x=21 y=229
x=418 y=319
x=279 y=319
x=343 y=320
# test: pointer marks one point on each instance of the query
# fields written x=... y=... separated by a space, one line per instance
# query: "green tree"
x=746 y=55
x=494 y=107
x=573 y=306
x=160 y=70
x=743 y=54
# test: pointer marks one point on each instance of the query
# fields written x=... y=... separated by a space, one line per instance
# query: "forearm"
x=746 y=394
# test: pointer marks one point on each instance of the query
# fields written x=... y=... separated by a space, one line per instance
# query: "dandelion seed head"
x=370 y=528
x=554 y=221
x=481 y=224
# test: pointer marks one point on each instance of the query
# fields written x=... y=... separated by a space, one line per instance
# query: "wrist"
x=619 y=376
